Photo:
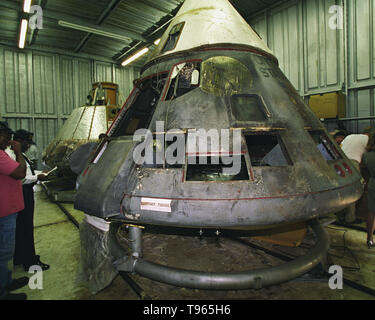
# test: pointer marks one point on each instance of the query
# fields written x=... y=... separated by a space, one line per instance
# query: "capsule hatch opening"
x=140 y=112
x=185 y=77
x=266 y=149
x=214 y=168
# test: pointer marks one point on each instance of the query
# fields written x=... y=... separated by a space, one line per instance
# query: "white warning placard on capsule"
x=154 y=204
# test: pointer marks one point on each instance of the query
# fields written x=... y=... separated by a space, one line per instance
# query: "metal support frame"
x=91 y=28
x=104 y=16
x=135 y=239
x=349 y=119
x=55 y=15
x=253 y=279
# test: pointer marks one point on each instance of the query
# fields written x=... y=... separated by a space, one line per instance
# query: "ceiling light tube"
x=27 y=6
x=92 y=30
x=23 y=31
x=134 y=57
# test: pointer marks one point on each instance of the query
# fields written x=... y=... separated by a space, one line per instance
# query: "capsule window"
x=248 y=108
x=224 y=76
x=140 y=112
x=211 y=168
x=267 y=150
x=184 y=78
x=173 y=37
x=325 y=146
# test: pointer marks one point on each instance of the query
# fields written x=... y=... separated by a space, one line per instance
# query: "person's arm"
x=20 y=172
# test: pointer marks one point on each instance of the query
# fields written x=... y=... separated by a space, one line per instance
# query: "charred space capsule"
x=213 y=76
x=84 y=124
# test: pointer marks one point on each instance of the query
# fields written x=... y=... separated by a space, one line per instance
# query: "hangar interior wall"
x=39 y=90
x=319 y=54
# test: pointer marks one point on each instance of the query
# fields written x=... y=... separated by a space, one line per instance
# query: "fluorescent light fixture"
x=134 y=57
x=26 y=6
x=21 y=43
x=157 y=41
x=92 y=30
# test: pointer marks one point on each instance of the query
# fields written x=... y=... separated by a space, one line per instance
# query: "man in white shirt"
x=338 y=135
x=354 y=146
x=24 y=252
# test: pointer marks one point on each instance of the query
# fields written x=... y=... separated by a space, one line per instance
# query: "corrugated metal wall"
x=318 y=58
x=361 y=58
x=39 y=90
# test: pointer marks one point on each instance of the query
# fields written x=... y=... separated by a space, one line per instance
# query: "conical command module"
x=215 y=136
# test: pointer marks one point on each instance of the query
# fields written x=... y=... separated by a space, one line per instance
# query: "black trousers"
x=24 y=252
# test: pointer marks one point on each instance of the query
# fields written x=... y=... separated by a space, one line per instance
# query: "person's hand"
x=42 y=177
x=16 y=146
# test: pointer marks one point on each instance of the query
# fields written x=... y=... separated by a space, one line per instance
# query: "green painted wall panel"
x=39 y=90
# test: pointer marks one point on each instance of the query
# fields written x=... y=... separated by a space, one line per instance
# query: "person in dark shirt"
x=24 y=252
x=11 y=201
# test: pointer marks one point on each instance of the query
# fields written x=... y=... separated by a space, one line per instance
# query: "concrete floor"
x=57 y=242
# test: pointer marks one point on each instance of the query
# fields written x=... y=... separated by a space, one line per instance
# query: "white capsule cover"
x=206 y=22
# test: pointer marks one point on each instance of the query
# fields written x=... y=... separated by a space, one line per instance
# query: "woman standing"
x=369 y=162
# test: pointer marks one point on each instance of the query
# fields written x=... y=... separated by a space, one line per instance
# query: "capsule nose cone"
x=199 y=23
